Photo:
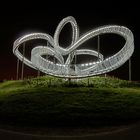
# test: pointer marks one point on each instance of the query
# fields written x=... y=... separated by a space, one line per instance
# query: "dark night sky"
x=45 y=19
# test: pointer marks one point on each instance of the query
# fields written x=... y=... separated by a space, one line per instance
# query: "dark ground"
x=130 y=133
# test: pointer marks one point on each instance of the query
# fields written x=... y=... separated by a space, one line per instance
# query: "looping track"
x=66 y=69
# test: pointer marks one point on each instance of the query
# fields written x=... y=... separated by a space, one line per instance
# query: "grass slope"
x=52 y=101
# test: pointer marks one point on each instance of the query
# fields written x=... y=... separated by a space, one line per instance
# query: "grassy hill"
x=49 y=101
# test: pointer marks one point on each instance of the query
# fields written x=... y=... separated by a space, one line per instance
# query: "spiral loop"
x=65 y=69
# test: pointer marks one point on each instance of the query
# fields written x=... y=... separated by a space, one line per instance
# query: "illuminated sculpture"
x=66 y=69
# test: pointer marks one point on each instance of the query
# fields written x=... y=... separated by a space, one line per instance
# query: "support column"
x=22 y=70
x=75 y=57
x=54 y=62
x=47 y=57
x=98 y=49
x=38 y=73
x=17 y=69
x=75 y=66
x=130 y=74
